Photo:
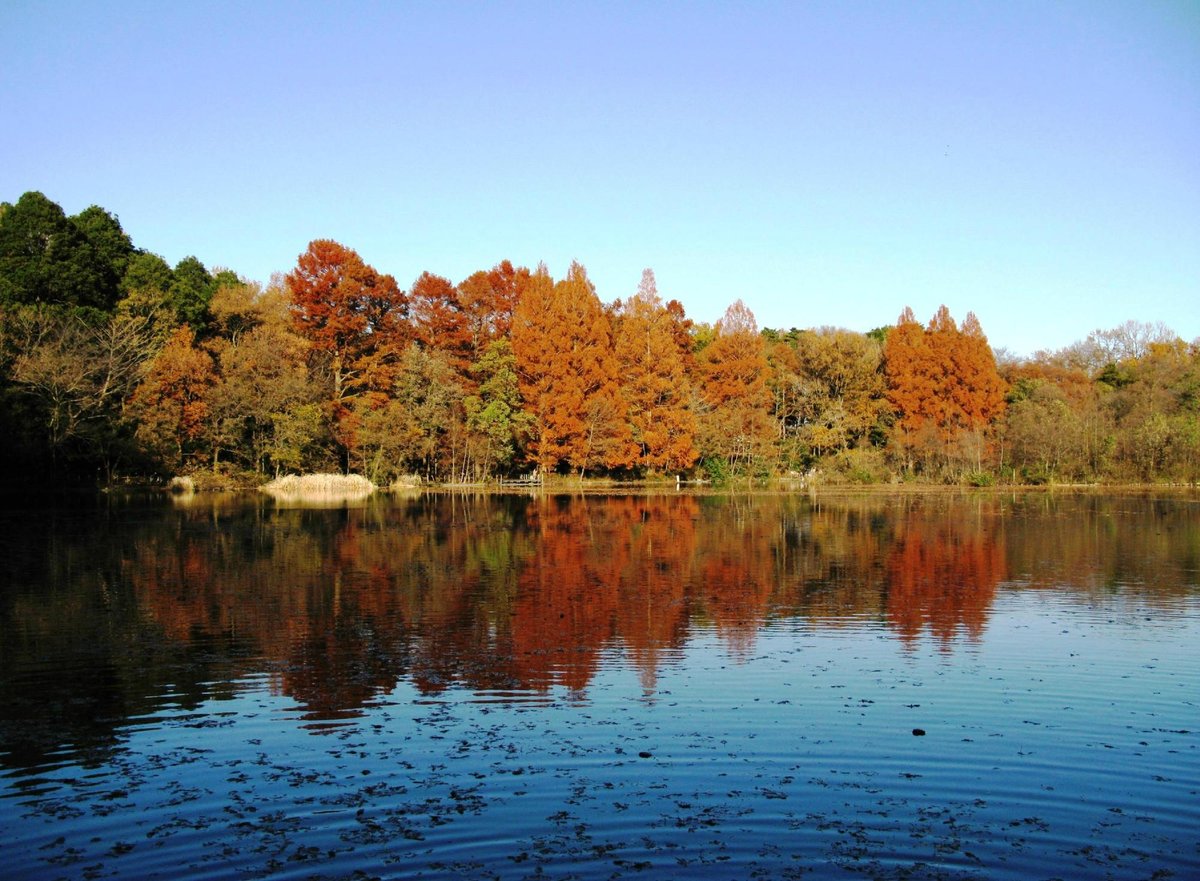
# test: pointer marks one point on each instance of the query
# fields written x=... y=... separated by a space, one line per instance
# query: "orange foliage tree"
x=978 y=391
x=171 y=403
x=562 y=341
x=488 y=300
x=911 y=369
x=439 y=322
x=736 y=425
x=356 y=320
x=264 y=409
x=654 y=380
x=681 y=330
x=942 y=384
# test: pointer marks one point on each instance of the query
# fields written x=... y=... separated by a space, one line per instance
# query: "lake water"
x=595 y=687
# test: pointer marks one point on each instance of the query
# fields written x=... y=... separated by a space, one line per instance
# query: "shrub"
x=1035 y=475
x=717 y=469
x=862 y=465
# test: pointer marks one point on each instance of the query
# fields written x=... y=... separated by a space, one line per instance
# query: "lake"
x=929 y=685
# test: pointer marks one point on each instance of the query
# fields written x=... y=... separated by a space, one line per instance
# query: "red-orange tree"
x=654 y=380
x=488 y=300
x=567 y=374
x=913 y=377
x=942 y=383
x=357 y=322
x=978 y=390
x=439 y=322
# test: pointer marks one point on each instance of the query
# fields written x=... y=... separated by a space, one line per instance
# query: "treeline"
x=115 y=364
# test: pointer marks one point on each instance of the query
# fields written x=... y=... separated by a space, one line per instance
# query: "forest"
x=116 y=366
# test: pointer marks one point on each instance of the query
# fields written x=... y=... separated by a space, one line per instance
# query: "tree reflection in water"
x=509 y=594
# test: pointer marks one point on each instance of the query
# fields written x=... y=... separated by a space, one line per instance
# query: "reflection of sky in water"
x=261 y=727
x=1036 y=749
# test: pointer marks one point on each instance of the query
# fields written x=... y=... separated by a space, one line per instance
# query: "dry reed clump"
x=319 y=487
x=182 y=486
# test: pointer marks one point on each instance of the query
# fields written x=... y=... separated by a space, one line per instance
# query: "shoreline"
x=769 y=487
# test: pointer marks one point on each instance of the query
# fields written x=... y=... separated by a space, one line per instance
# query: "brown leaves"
x=439 y=321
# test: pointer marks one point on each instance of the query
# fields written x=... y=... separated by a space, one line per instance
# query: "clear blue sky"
x=829 y=163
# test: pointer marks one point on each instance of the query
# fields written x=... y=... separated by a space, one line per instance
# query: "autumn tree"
x=913 y=376
x=75 y=375
x=828 y=390
x=976 y=390
x=263 y=409
x=943 y=386
x=736 y=425
x=1046 y=437
x=786 y=386
x=1045 y=397
x=1103 y=347
x=144 y=293
x=420 y=425
x=681 y=332
x=568 y=375
x=488 y=300
x=654 y=380
x=1156 y=412
x=356 y=321
x=1132 y=407
x=171 y=404
x=439 y=322
x=242 y=306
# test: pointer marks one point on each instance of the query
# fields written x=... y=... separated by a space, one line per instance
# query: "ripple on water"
x=1060 y=740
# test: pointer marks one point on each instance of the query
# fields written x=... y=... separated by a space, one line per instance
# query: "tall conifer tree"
x=654 y=381
x=562 y=341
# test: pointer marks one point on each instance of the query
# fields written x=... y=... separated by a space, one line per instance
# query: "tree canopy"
x=113 y=362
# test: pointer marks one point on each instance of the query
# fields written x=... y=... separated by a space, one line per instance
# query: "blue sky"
x=828 y=163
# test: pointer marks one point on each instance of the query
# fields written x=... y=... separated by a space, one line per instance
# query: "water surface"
x=601 y=687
